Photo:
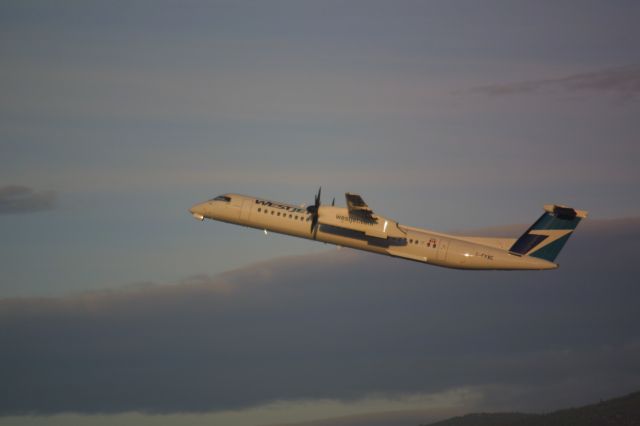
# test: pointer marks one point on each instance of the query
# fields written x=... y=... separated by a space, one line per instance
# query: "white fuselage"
x=385 y=236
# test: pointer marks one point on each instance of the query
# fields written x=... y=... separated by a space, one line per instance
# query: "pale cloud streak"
x=194 y=96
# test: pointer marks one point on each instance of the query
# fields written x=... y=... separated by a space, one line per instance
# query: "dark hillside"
x=624 y=411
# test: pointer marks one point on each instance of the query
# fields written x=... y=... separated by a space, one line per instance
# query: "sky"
x=116 y=117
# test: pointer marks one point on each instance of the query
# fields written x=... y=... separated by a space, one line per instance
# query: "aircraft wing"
x=358 y=207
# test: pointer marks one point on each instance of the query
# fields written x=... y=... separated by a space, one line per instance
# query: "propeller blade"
x=314 y=210
x=314 y=225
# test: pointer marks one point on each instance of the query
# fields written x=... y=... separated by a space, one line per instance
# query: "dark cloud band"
x=621 y=81
x=15 y=199
x=339 y=325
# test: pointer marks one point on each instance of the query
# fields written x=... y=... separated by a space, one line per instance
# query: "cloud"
x=15 y=199
x=623 y=82
x=343 y=326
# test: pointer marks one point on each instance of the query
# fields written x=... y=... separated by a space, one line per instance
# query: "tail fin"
x=546 y=237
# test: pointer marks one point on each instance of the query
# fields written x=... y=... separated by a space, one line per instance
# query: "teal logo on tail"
x=546 y=237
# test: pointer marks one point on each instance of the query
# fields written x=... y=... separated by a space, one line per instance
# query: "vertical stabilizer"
x=546 y=237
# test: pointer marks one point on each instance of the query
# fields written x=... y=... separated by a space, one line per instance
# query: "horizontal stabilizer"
x=564 y=212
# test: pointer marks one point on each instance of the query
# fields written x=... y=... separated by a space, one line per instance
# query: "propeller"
x=314 y=210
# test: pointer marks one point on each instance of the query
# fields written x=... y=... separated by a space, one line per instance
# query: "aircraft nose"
x=197 y=211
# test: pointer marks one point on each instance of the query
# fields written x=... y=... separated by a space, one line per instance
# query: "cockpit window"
x=222 y=198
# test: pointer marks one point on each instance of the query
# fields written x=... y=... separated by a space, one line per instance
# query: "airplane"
x=358 y=227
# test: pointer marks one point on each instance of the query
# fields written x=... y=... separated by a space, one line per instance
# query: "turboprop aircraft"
x=358 y=227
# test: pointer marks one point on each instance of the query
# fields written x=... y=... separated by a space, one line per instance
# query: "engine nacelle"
x=377 y=227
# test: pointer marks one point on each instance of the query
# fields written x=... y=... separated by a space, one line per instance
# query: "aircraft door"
x=441 y=253
x=245 y=211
